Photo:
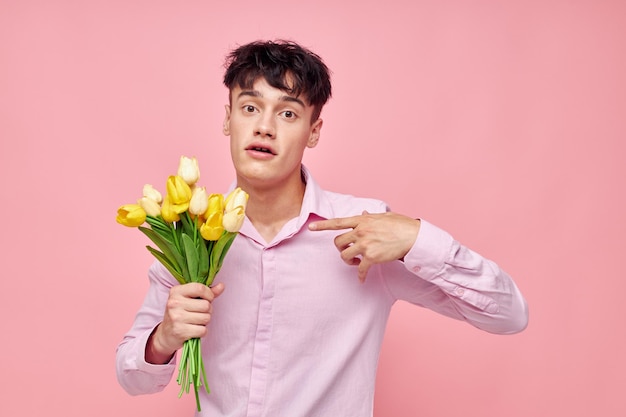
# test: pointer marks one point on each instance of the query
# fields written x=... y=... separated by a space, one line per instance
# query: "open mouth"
x=261 y=149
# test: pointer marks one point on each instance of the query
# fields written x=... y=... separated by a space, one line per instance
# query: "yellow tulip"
x=216 y=205
x=233 y=220
x=236 y=198
x=151 y=207
x=131 y=215
x=188 y=170
x=167 y=211
x=199 y=202
x=152 y=193
x=212 y=229
x=178 y=193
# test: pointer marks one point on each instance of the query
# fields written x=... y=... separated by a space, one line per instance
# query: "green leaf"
x=168 y=248
x=189 y=225
x=218 y=254
x=229 y=239
x=191 y=254
x=157 y=222
x=177 y=234
x=166 y=263
x=163 y=229
x=203 y=260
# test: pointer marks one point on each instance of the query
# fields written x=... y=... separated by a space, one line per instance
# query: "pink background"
x=502 y=122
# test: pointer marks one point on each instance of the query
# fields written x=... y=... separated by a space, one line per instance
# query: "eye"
x=288 y=114
x=249 y=108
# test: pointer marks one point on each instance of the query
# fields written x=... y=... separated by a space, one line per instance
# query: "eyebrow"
x=254 y=93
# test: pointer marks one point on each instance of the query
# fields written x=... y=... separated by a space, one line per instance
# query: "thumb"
x=218 y=289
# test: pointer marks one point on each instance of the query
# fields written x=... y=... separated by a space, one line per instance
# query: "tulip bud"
x=167 y=211
x=199 y=201
x=131 y=215
x=233 y=220
x=188 y=170
x=216 y=205
x=152 y=193
x=236 y=198
x=212 y=229
x=178 y=193
x=150 y=206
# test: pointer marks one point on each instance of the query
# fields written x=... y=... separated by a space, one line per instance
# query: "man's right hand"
x=187 y=313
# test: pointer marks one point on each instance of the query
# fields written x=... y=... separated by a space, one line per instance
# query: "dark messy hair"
x=284 y=65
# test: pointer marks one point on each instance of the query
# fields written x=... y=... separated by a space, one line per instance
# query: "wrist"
x=155 y=352
x=413 y=232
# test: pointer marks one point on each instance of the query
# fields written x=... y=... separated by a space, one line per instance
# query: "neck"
x=270 y=207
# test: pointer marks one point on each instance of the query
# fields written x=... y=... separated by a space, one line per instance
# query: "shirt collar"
x=315 y=202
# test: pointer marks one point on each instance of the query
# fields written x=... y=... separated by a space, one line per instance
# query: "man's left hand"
x=374 y=238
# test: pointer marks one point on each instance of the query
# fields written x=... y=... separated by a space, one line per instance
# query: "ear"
x=314 y=137
x=226 y=127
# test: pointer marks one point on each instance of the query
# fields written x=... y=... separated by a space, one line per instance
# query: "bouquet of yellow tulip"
x=193 y=232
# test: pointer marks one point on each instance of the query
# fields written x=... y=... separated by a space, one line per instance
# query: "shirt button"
x=416 y=269
x=459 y=291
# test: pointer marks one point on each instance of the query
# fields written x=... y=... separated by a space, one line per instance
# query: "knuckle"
x=172 y=304
x=174 y=316
x=205 y=306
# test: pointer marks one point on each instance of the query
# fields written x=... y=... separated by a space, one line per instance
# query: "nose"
x=265 y=127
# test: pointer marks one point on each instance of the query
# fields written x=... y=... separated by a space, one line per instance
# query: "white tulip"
x=151 y=207
x=237 y=198
x=152 y=193
x=188 y=169
x=199 y=201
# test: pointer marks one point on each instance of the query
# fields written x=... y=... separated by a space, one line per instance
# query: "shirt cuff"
x=151 y=368
x=428 y=255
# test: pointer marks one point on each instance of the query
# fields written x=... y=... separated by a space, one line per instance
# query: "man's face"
x=269 y=131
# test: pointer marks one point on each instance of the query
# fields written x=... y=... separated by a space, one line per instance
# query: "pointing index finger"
x=335 y=224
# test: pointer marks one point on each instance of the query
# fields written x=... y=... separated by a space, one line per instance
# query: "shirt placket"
x=259 y=377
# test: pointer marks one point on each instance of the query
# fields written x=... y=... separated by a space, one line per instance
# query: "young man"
x=297 y=327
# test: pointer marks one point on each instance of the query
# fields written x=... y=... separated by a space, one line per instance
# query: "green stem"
x=174 y=236
x=191 y=370
x=195 y=389
x=183 y=370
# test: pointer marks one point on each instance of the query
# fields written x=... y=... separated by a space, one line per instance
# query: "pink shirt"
x=296 y=334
